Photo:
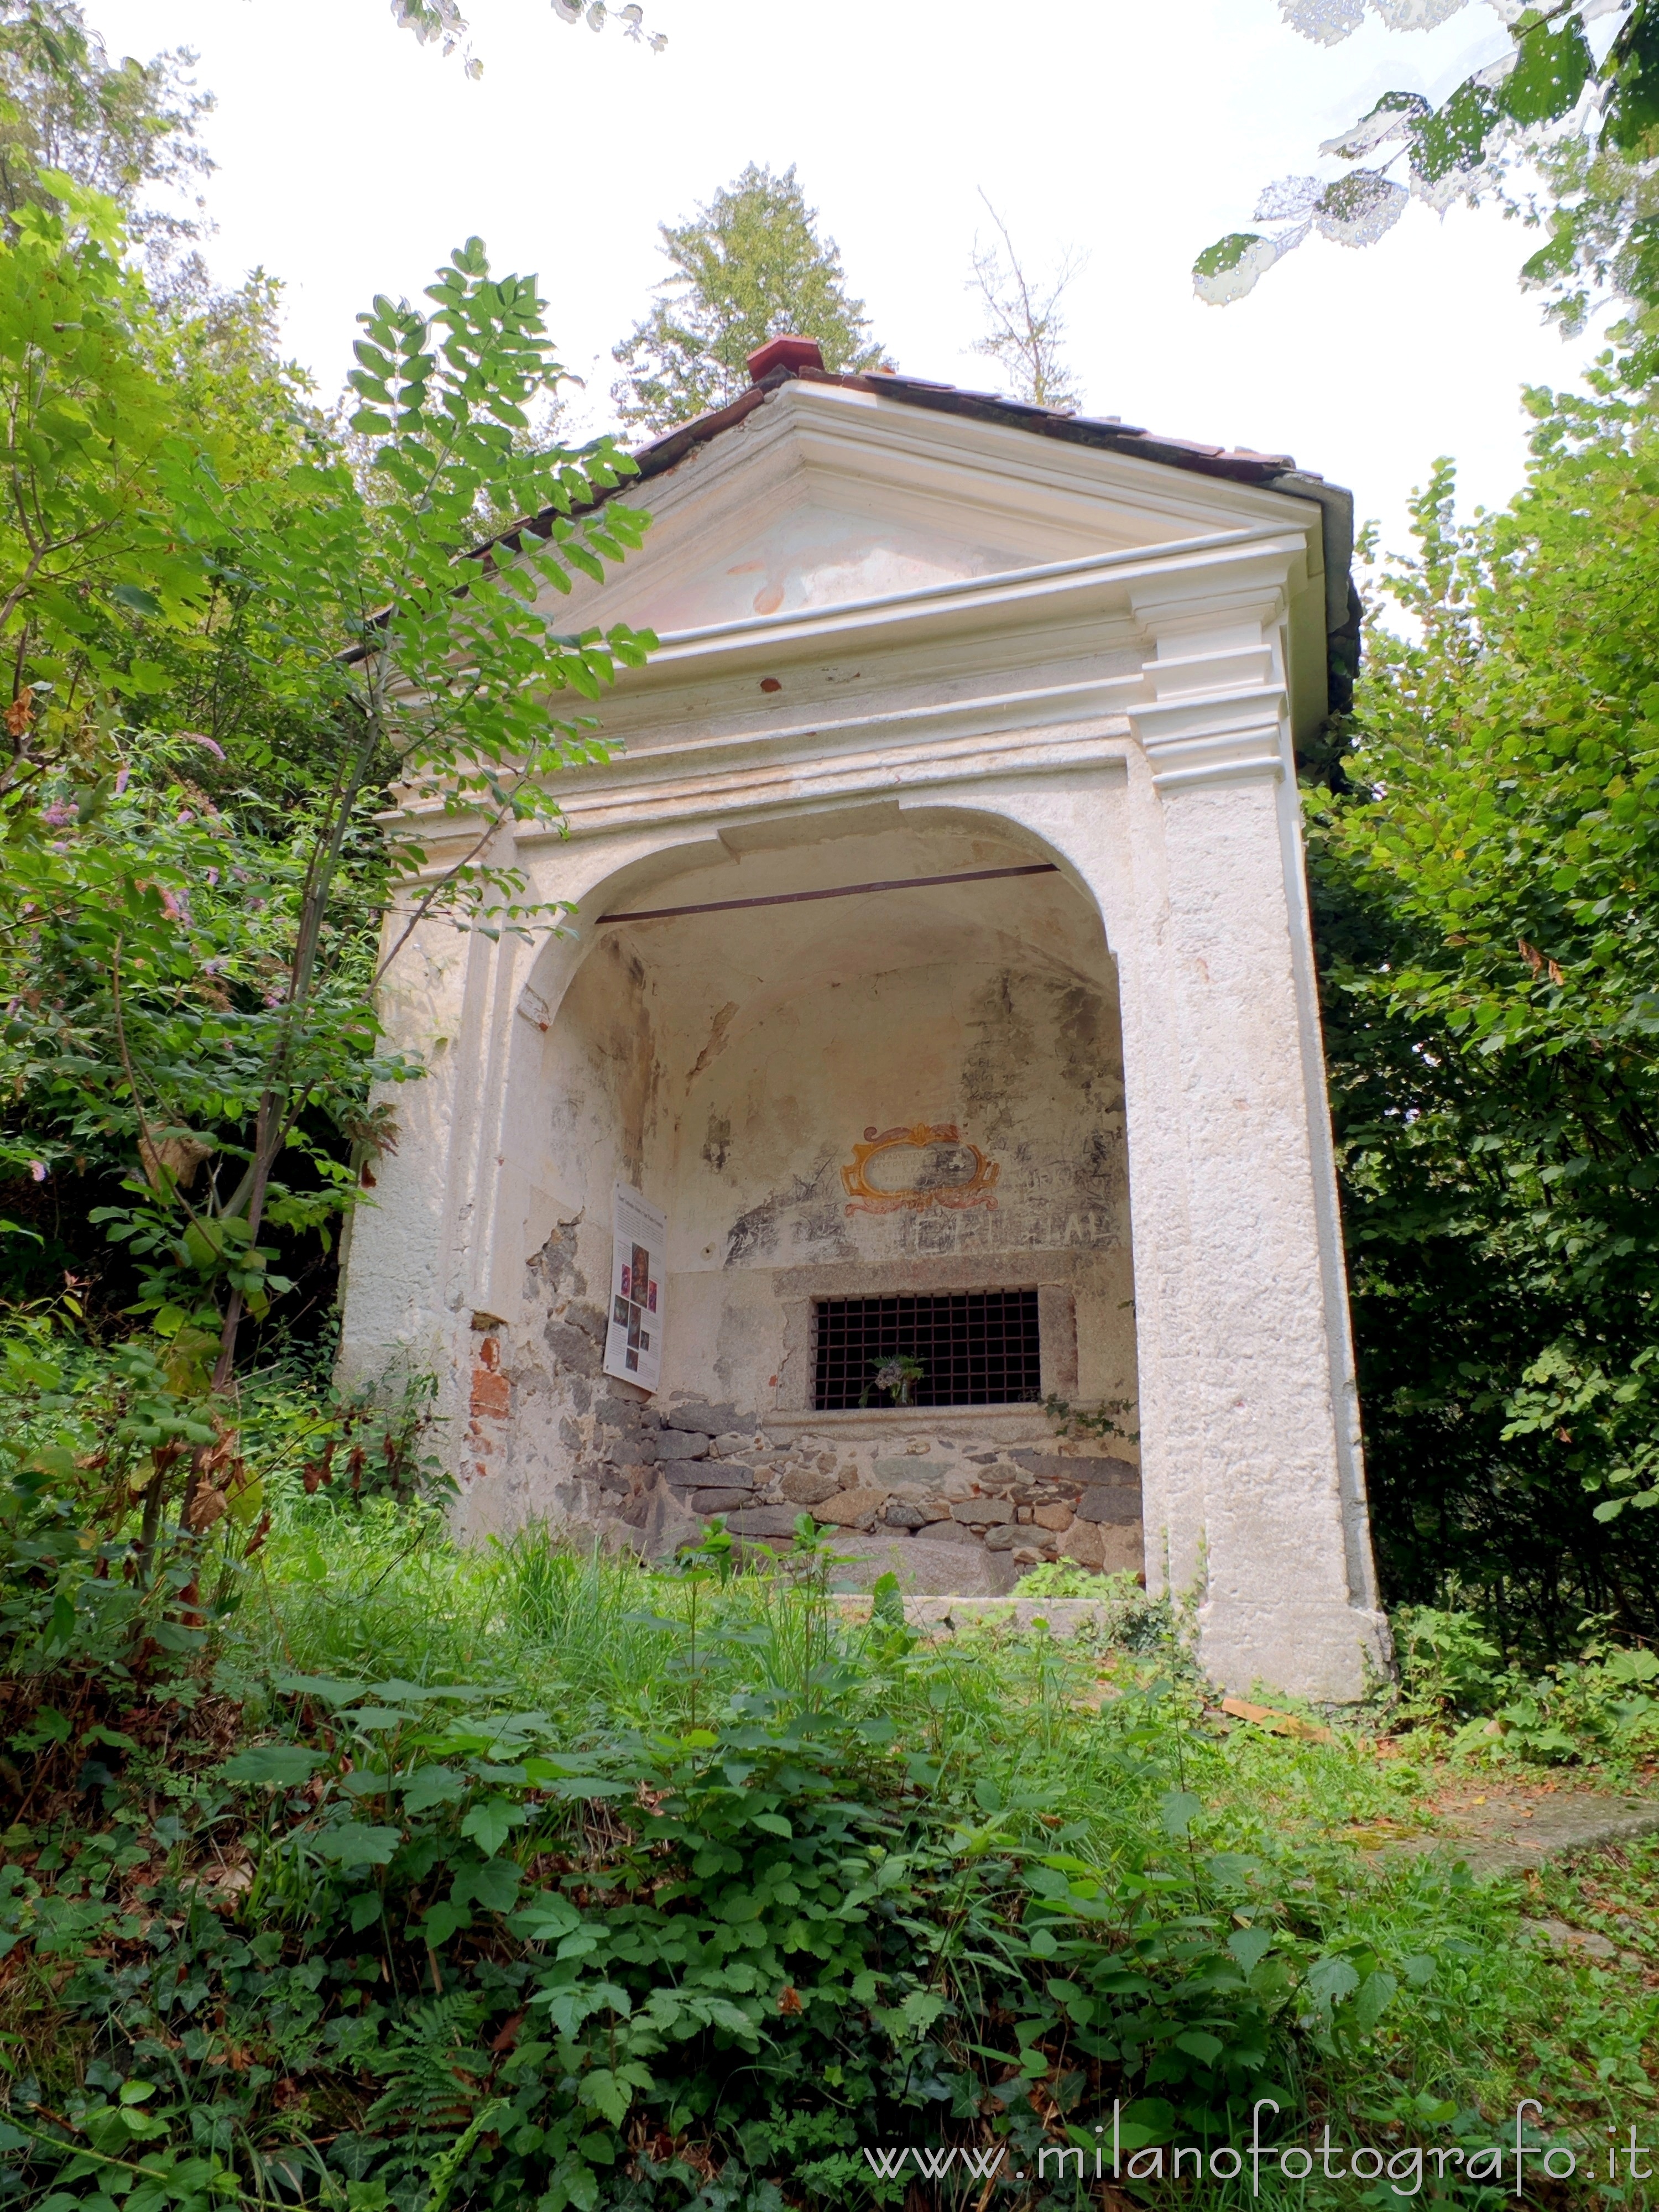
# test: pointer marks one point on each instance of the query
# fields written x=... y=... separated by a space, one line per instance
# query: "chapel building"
x=921 y=1120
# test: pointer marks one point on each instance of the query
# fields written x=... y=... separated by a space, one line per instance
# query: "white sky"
x=351 y=159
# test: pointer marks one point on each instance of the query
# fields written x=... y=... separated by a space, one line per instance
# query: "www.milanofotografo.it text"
x=1404 y=2169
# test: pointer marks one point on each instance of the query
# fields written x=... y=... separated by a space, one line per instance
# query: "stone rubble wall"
x=1023 y=1504
x=552 y=1436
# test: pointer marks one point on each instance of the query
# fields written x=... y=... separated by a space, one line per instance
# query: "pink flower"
x=197 y=739
x=213 y=879
x=61 y=813
x=123 y=780
x=38 y=1170
x=185 y=819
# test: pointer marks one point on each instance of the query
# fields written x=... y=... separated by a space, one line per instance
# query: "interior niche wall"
x=730 y=1065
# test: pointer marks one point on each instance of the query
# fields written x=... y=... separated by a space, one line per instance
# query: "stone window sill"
x=963 y=1424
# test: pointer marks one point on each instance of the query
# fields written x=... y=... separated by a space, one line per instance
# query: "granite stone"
x=762 y=1520
x=848 y=1507
x=1104 y=1504
x=719 y=1501
x=922 y=1566
x=681 y=1443
x=982 y=1512
x=711 y=1420
x=807 y=1488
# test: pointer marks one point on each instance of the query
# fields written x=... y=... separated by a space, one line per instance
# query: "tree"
x=748 y=267
x=115 y=127
x=192 y=980
x=1026 y=328
x=1487 y=879
x=440 y=23
x=1592 y=125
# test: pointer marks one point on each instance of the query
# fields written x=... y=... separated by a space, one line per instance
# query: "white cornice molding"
x=1201 y=722
x=1095 y=741
x=1219 y=711
x=1025 y=748
x=1197 y=572
x=1123 y=563
x=990 y=466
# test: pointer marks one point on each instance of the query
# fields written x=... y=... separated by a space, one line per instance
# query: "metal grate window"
x=972 y=1348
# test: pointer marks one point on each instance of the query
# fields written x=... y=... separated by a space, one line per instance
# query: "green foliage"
x=1485 y=887
x=518 y=1874
x=748 y=267
x=373 y=1441
x=752 y=1946
x=1599 y=156
x=1599 y=1707
x=114 y=126
x=192 y=977
x=84 y=550
x=895 y=1378
x=440 y=23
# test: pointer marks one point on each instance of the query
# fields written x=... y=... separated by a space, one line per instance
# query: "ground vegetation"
x=366 y=1872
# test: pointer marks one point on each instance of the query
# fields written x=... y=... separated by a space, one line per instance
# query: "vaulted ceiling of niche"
x=715 y=977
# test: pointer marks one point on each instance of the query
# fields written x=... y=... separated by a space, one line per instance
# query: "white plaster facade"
x=899 y=643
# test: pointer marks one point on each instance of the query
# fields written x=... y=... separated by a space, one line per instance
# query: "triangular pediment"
x=803 y=555
x=822 y=497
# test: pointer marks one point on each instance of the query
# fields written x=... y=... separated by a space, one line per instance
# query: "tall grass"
x=1036 y=1731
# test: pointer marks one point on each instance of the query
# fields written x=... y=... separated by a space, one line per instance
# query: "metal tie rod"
x=844 y=890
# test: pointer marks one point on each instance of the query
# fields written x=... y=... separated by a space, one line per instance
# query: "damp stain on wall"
x=717 y=1143
x=996 y=1071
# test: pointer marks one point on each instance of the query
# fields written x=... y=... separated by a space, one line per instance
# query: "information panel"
x=633 y=1341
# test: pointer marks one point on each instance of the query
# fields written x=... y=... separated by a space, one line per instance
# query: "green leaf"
x=607 y=2091
x=1376 y=1993
x=491 y=1823
x=1233 y=266
x=545 y=1917
x=1250 y=1946
x=496 y=1885
x=281 y=1765
x=171 y=1637
x=351 y=1843
x=1147 y=2120
x=1332 y=1980
x=136 y=597
x=433 y=1785
x=1198 y=2043
x=1177 y=1810
x=1552 y=66
x=1453 y=138
x=441 y=1922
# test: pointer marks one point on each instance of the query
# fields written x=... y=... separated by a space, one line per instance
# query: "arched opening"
x=887 y=1133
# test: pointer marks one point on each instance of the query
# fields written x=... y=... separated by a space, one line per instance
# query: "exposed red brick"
x=492 y=1393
